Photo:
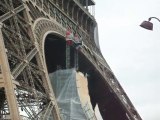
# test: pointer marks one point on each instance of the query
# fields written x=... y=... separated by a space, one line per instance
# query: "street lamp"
x=147 y=24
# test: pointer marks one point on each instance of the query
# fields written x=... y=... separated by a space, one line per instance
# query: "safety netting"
x=67 y=93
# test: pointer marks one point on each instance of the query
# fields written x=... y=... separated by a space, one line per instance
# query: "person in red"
x=69 y=37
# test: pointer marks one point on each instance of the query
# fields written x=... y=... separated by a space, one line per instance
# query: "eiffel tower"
x=33 y=44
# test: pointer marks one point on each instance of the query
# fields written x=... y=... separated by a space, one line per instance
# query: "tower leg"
x=67 y=56
x=8 y=84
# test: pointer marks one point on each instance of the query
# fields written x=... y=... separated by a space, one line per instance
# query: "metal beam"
x=11 y=13
x=24 y=63
x=7 y=79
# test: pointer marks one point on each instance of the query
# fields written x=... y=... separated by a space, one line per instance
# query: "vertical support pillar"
x=63 y=5
x=68 y=7
x=87 y=4
x=76 y=59
x=67 y=56
x=7 y=79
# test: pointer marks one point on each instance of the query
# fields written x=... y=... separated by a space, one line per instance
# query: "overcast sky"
x=133 y=53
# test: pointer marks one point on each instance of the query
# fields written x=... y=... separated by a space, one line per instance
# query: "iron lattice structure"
x=24 y=83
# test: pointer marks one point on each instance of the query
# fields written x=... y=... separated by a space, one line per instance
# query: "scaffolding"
x=69 y=88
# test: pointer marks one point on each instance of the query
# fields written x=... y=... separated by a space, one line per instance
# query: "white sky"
x=133 y=53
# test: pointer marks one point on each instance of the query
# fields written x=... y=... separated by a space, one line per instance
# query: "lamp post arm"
x=149 y=19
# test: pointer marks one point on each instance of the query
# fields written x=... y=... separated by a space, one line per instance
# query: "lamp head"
x=147 y=25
